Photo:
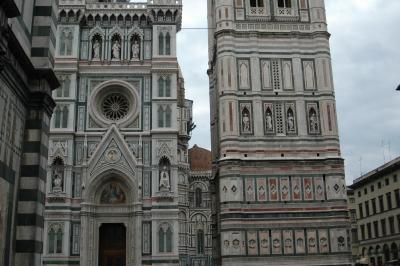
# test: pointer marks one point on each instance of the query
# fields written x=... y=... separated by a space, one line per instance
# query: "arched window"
x=168 y=44
x=167 y=87
x=394 y=251
x=168 y=114
x=198 y=197
x=161 y=44
x=55 y=239
x=52 y=237
x=65 y=117
x=165 y=238
x=285 y=3
x=200 y=242
x=386 y=253
x=57 y=118
x=160 y=116
x=59 y=241
x=65 y=86
x=161 y=87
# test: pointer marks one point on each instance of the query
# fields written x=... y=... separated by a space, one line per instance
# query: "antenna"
x=360 y=160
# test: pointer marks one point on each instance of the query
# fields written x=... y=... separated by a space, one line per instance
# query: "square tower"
x=279 y=180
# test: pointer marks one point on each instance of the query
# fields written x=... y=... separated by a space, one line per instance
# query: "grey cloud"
x=365 y=57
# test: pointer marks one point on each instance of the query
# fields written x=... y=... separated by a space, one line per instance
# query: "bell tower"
x=279 y=181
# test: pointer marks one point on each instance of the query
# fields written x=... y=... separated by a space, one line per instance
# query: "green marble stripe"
x=41 y=31
x=33 y=171
x=42 y=11
x=30 y=220
x=31 y=195
x=28 y=246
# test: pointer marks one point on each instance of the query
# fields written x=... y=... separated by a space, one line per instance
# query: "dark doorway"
x=112 y=248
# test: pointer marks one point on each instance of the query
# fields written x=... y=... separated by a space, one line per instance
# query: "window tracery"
x=55 y=238
x=165 y=238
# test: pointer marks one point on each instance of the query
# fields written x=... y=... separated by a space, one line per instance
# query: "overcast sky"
x=365 y=46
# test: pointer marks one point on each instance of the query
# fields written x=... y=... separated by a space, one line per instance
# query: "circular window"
x=114 y=101
x=115 y=106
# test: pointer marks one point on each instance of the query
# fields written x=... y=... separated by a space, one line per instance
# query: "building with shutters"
x=376 y=212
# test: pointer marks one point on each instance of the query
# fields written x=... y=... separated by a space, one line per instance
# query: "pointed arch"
x=57 y=117
x=161 y=44
x=160 y=116
x=161 y=87
x=168 y=115
x=65 y=114
x=168 y=44
x=168 y=87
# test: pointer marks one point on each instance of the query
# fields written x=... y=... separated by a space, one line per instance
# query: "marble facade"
x=278 y=177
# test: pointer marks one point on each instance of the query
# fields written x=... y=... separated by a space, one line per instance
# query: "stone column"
x=31 y=194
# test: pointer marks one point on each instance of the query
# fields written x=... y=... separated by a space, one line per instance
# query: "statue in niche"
x=57 y=175
x=112 y=194
x=96 y=49
x=290 y=120
x=57 y=182
x=314 y=126
x=68 y=45
x=268 y=120
x=246 y=125
x=135 y=50
x=116 y=50
x=164 y=179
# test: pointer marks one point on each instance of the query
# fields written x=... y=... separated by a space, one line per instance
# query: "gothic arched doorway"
x=112 y=245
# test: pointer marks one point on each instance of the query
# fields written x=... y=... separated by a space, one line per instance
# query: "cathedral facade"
x=118 y=188
x=278 y=179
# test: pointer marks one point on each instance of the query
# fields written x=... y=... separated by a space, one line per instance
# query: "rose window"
x=115 y=106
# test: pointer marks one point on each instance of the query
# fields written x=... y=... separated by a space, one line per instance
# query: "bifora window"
x=256 y=3
x=115 y=106
x=285 y=3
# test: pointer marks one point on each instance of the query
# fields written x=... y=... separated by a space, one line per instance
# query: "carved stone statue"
x=135 y=50
x=96 y=49
x=57 y=182
x=246 y=122
x=314 y=127
x=290 y=121
x=116 y=50
x=164 y=179
x=268 y=121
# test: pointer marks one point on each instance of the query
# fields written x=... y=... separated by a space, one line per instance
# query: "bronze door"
x=112 y=251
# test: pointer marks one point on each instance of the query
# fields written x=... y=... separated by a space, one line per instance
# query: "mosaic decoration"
x=308 y=189
x=250 y=190
x=288 y=245
x=264 y=243
x=112 y=194
x=273 y=189
x=312 y=242
x=285 y=188
x=319 y=188
x=300 y=242
x=276 y=242
x=252 y=244
x=323 y=241
x=296 y=188
x=261 y=189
